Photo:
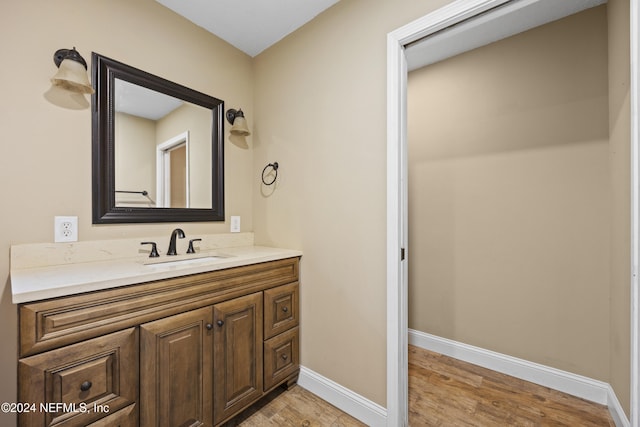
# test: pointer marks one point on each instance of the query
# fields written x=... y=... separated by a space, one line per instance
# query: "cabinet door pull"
x=85 y=386
x=285 y=309
x=209 y=326
x=285 y=357
x=220 y=322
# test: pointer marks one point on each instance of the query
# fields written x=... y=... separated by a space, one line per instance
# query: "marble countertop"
x=51 y=281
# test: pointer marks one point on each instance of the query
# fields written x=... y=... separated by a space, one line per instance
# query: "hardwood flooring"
x=442 y=392
x=293 y=407
x=448 y=392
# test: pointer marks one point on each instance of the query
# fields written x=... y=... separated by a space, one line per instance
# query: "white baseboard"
x=342 y=398
x=615 y=409
x=567 y=382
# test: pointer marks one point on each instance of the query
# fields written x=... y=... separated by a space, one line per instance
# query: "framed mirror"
x=158 y=148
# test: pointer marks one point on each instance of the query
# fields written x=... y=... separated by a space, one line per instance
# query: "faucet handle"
x=154 y=249
x=190 y=250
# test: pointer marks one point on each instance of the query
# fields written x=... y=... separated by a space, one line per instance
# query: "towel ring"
x=273 y=166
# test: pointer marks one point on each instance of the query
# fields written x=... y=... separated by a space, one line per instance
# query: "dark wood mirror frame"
x=105 y=71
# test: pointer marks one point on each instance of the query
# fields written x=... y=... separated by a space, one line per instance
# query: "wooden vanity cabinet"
x=189 y=351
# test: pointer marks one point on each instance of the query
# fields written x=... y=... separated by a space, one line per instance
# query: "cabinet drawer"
x=281 y=357
x=81 y=383
x=280 y=309
x=126 y=417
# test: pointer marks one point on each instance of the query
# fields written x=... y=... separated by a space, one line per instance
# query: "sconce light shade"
x=236 y=118
x=72 y=71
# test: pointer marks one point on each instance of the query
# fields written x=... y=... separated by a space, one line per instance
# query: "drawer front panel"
x=281 y=357
x=81 y=383
x=280 y=309
x=86 y=381
x=53 y=323
x=126 y=417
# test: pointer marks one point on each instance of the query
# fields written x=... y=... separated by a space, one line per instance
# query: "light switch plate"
x=235 y=224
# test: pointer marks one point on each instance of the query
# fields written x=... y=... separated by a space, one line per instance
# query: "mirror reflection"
x=162 y=150
x=158 y=148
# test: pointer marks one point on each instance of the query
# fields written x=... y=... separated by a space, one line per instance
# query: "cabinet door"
x=176 y=370
x=237 y=354
x=81 y=383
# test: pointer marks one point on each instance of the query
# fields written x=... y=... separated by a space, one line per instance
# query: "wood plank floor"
x=448 y=392
x=442 y=392
x=295 y=407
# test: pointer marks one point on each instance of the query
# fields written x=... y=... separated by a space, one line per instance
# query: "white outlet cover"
x=65 y=229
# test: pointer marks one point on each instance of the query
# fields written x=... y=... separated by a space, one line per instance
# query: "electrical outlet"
x=235 y=224
x=65 y=229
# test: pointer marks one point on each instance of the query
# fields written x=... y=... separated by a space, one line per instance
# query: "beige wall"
x=321 y=113
x=619 y=165
x=135 y=159
x=518 y=201
x=45 y=169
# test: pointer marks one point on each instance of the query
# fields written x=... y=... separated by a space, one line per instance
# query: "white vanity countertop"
x=37 y=283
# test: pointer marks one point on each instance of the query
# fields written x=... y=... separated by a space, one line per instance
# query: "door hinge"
x=401 y=254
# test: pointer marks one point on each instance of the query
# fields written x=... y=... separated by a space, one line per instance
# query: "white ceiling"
x=254 y=25
x=142 y=102
x=250 y=25
x=512 y=18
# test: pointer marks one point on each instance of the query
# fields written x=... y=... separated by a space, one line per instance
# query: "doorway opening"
x=172 y=172
x=441 y=26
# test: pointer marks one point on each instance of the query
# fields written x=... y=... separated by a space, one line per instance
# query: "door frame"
x=163 y=169
x=397 y=208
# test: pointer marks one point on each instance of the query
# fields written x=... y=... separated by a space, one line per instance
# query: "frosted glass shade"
x=72 y=76
x=240 y=127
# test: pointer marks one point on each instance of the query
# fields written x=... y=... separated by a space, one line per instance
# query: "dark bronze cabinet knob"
x=220 y=322
x=285 y=309
x=285 y=357
x=209 y=326
x=85 y=385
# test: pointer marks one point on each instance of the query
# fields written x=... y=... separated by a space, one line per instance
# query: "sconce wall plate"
x=232 y=113
x=73 y=54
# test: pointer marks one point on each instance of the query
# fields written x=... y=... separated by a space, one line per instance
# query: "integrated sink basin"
x=184 y=261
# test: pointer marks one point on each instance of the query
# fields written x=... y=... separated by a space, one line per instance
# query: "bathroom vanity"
x=180 y=345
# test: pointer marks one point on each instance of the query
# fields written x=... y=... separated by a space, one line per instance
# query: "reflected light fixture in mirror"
x=236 y=118
x=72 y=71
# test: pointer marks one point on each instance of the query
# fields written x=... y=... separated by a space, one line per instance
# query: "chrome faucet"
x=172 y=243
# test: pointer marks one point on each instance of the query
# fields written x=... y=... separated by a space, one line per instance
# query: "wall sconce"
x=236 y=118
x=72 y=71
